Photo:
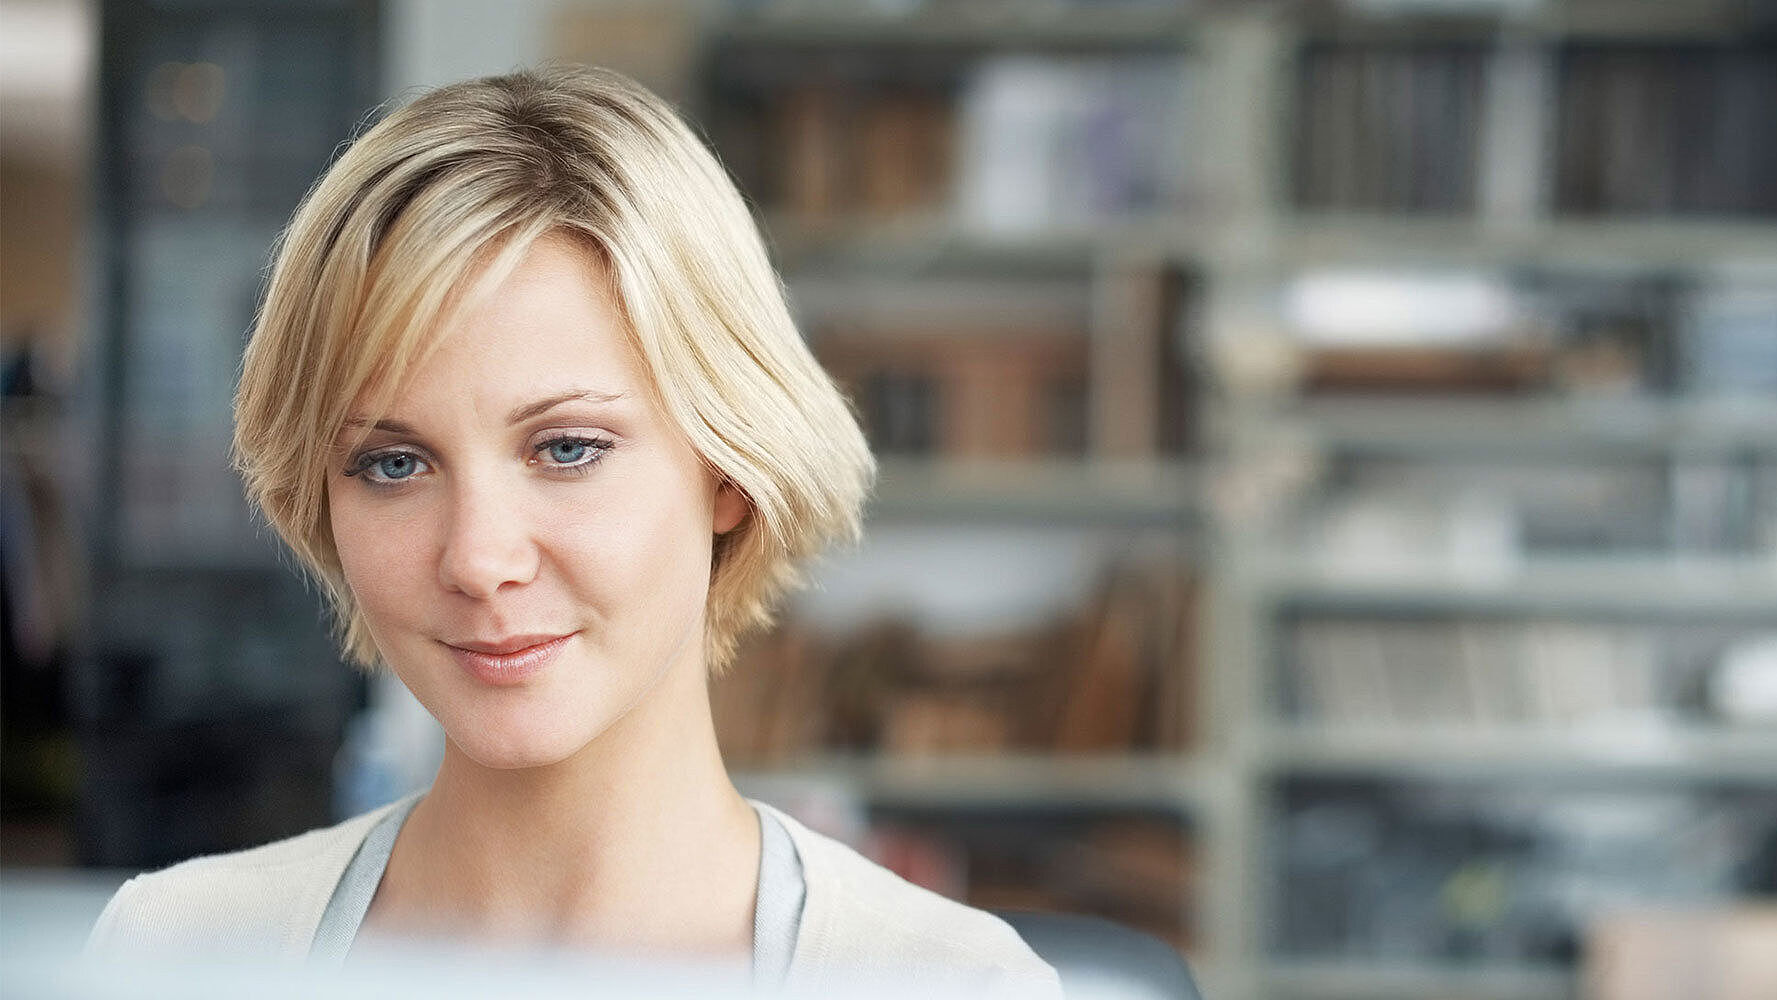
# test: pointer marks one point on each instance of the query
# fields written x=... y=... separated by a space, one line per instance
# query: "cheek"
x=379 y=557
x=636 y=550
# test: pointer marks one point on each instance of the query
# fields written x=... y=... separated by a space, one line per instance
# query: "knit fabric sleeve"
x=260 y=903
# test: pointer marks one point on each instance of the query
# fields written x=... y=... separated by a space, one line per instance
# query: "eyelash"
x=596 y=449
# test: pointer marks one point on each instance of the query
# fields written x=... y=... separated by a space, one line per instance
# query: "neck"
x=639 y=841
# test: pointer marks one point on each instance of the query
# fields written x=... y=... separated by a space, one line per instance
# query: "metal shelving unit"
x=1243 y=246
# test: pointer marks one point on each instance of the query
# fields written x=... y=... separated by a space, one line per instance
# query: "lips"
x=510 y=660
x=502 y=647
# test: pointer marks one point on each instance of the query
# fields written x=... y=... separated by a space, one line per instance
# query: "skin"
x=586 y=806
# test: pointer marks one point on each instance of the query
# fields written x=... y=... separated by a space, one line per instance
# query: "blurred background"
x=1329 y=502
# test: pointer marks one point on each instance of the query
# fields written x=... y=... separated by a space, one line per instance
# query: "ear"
x=731 y=507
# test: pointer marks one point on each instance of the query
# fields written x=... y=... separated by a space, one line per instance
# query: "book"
x=1479 y=673
x=962 y=393
x=1672 y=128
x=1389 y=126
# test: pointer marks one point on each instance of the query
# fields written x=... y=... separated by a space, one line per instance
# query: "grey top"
x=777 y=908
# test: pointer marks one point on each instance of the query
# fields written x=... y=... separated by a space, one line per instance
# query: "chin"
x=573 y=705
x=533 y=731
x=516 y=751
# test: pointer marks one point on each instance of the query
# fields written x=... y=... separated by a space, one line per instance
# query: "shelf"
x=1710 y=589
x=1309 y=239
x=1605 y=428
x=1136 y=780
x=1154 y=26
x=1141 y=492
x=1345 y=979
x=1520 y=753
x=933 y=239
x=1342 y=239
x=1295 y=241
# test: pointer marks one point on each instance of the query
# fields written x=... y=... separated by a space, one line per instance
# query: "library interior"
x=1327 y=505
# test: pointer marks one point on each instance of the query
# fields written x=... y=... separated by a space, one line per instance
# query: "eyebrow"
x=520 y=413
x=544 y=405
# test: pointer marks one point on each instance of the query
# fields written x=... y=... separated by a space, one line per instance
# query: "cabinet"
x=199 y=732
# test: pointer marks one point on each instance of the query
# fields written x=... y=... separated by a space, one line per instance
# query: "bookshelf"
x=1241 y=217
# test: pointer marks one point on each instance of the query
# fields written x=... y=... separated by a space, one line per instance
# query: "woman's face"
x=527 y=535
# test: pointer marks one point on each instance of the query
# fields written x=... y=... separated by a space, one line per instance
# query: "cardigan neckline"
x=777 y=907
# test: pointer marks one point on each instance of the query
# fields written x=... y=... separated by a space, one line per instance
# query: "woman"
x=525 y=398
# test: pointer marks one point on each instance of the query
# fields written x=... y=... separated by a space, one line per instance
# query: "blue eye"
x=385 y=468
x=567 y=451
x=573 y=454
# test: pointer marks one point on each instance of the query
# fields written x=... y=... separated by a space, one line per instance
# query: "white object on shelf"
x=1470 y=538
x=1350 y=308
x=1051 y=143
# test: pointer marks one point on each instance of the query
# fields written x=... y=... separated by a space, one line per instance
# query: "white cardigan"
x=862 y=925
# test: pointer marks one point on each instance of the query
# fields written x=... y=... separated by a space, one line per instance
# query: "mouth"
x=509 y=645
x=509 y=660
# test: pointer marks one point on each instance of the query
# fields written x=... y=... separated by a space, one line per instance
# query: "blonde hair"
x=437 y=203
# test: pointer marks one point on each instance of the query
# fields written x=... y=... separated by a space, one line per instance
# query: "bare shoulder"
x=262 y=900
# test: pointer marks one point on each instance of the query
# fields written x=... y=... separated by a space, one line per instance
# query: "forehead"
x=552 y=323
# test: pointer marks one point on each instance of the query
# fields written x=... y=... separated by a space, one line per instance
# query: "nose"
x=488 y=542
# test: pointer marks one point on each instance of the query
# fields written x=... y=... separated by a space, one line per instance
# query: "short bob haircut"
x=436 y=204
